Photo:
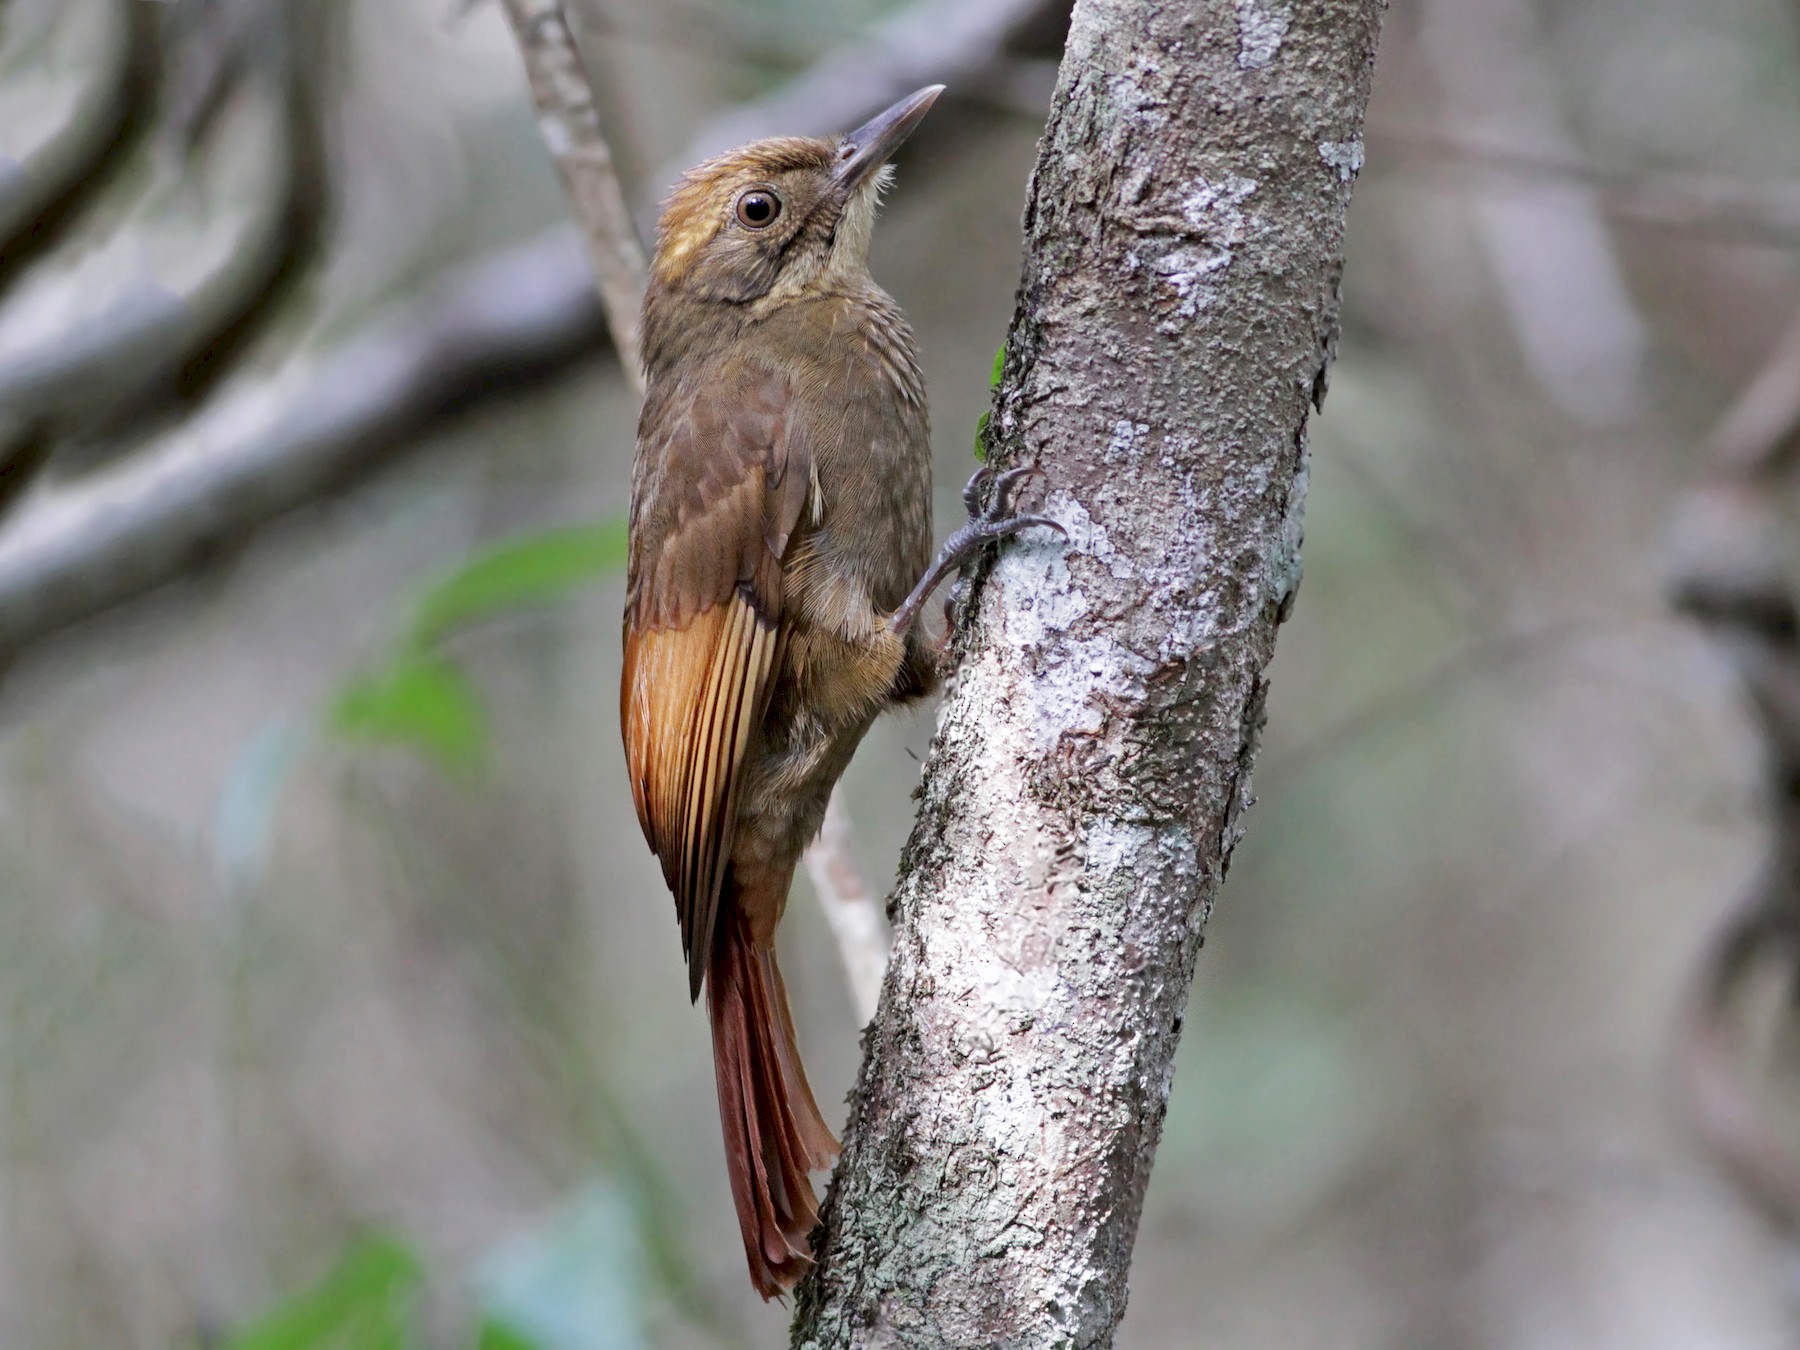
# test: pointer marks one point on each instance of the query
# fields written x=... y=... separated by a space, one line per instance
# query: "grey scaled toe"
x=987 y=523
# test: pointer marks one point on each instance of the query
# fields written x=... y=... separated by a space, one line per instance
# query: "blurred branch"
x=850 y=909
x=1547 y=247
x=564 y=95
x=40 y=199
x=1730 y=572
x=947 y=42
x=78 y=549
x=154 y=349
x=1758 y=1159
x=295 y=40
x=1760 y=433
x=1715 y=208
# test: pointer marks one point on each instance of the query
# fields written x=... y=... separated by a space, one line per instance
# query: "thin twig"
x=850 y=908
x=948 y=42
x=564 y=95
x=1716 y=208
x=1760 y=432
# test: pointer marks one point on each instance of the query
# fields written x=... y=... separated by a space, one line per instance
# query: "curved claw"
x=1006 y=487
x=990 y=528
x=1020 y=522
x=973 y=490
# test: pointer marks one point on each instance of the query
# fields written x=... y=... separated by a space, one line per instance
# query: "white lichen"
x=1087 y=536
x=1213 y=209
x=1123 y=447
x=1344 y=156
x=1218 y=226
x=1048 y=600
x=1260 y=33
x=1186 y=269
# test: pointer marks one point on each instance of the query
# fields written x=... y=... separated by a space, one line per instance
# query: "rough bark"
x=1184 y=240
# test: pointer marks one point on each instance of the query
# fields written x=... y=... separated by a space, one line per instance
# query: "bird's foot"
x=995 y=520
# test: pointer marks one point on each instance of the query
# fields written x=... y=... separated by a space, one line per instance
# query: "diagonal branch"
x=1721 y=209
x=155 y=350
x=850 y=908
x=947 y=42
x=120 y=531
x=564 y=96
x=47 y=193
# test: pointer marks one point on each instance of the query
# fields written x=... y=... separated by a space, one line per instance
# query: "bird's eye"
x=757 y=209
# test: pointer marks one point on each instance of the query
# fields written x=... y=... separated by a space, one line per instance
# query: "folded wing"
x=719 y=488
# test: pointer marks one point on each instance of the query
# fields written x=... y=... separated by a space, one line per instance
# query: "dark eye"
x=758 y=208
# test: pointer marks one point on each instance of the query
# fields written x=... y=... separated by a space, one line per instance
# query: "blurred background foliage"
x=342 y=1002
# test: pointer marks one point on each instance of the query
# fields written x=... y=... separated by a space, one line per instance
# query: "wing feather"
x=719 y=489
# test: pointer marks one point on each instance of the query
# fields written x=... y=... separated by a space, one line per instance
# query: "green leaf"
x=364 y=1302
x=527 y=570
x=499 y=1336
x=981 y=423
x=418 y=700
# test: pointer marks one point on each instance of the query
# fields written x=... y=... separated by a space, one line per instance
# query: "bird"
x=779 y=556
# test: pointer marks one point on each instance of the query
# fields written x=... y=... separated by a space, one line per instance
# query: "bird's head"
x=780 y=218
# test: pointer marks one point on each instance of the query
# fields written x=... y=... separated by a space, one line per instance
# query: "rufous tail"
x=774 y=1135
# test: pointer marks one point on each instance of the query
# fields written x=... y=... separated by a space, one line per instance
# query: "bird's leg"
x=995 y=521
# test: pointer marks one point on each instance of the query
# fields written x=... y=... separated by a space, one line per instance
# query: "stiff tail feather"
x=774 y=1134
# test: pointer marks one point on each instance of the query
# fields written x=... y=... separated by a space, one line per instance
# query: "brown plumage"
x=780 y=518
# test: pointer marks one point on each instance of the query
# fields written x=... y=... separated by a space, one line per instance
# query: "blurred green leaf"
x=418 y=700
x=528 y=570
x=364 y=1302
x=999 y=366
x=498 y=1336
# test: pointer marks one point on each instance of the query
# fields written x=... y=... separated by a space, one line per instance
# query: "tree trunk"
x=1184 y=239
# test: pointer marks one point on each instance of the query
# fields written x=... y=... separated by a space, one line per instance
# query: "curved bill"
x=866 y=149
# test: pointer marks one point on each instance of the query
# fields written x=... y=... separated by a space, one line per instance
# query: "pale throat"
x=856 y=227
x=846 y=266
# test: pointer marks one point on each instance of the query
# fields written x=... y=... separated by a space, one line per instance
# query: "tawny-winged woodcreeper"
x=780 y=554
